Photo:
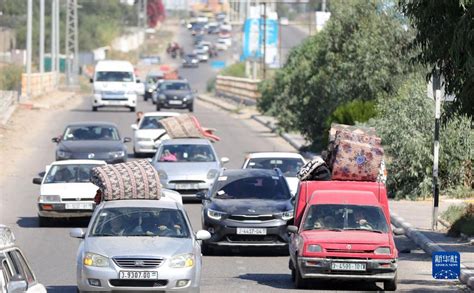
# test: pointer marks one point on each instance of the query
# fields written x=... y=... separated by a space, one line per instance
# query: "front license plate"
x=187 y=186
x=251 y=231
x=344 y=266
x=175 y=102
x=78 y=206
x=137 y=275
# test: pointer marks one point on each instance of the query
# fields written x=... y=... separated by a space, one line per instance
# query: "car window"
x=345 y=217
x=260 y=187
x=19 y=266
x=69 y=173
x=6 y=271
x=151 y=122
x=130 y=221
x=186 y=153
x=289 y=166
x=175 y=86
x=119 y=76
x=30 y=278
x=91 y=133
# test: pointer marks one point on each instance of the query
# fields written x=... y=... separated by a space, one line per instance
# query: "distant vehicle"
x=284 y=21
x=66 y=191
x=151 y=59
x=137 y=245
x=151 y=82
x=187 y=166
x=190 y=60
x=221 y=45
x=213 y=28
x=202 y=53
x=225 y=34
x=147 y=131
x=288 y=163
x=225 y=26
x=226 y=41
x=197 y=39
x=221 y=16
x=115 y=85
x=247 y=207
x=175 y=94
x=202 y=19
x=16 y=274
x=91 y=140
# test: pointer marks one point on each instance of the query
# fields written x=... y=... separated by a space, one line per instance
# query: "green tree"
x=445 y=39
x=359 y=55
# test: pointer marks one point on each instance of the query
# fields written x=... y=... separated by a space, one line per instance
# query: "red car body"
x=342 y=252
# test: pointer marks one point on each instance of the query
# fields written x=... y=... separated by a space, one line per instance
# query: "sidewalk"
x=413 y=216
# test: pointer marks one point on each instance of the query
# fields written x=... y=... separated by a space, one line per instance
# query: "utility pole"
x=41 y=40
x=264 y=39
x=71 y=44
x=437 y=98
x=53 y=35
x=29 y=45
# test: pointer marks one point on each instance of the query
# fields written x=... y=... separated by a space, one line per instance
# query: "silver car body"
x=135 y=250
x=144 y=139
x=187 y=178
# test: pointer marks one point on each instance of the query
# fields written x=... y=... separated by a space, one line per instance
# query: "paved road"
x=52 y=252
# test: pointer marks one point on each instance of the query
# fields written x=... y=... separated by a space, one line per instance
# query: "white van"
x=115 y=85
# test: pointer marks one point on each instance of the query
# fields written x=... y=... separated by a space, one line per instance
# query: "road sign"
x=217 y=64
x=446 y=265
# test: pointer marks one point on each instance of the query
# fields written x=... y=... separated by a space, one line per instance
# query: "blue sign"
x=252 y=43
x=446 y=265
x=217 y=64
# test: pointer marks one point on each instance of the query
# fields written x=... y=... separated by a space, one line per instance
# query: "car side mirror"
x=134 y=126
x=292 y=229
x=398 y=231
x=37 y=180
x=225 y=160
x=138 y=81
x=91 y=80
x=17 y=284
x=77 y=233
x=55 y=139
x=127 y=139
x=203 y=235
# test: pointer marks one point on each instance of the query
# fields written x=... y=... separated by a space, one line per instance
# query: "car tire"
x=191 y=107
x=44 y=221
x=145 y=97
x=158 y=107
x=390 y=285
x=94 y=109
x=132 y=109
x=300 y=283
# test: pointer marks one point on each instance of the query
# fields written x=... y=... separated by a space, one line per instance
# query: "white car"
x=284 y=21
x=226 y=41
x=226 y=26
x=288 y=163
x=66 y=191
x=16 y=274
x=221 y=45
x=147 y=130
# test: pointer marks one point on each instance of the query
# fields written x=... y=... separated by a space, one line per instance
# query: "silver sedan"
x=139 y=245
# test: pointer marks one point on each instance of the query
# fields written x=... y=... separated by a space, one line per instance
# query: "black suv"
x=175 y=94
x=247 y=207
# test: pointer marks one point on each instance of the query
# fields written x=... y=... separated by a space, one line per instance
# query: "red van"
x=342 y=231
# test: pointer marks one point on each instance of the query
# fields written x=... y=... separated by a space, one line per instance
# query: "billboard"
x=252 y=43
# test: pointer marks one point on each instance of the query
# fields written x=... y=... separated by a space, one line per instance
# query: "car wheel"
x=191 y=107
x=158 y=107
x=145 y=97
x=206 y=249
x=132 y=109
x=136 y=155
x=44 y=222
x=94 y=109
x=390 y=285
x=300 y=283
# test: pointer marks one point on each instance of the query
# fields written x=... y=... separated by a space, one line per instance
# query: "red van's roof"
x=344 y=196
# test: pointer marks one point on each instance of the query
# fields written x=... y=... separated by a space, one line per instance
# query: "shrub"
x=10 y=77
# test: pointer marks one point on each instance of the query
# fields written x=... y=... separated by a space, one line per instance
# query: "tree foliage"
x=445 y=39
x=352 y=112
x=359 y=55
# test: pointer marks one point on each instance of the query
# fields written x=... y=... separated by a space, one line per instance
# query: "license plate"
x=175 y=102
x=251 y=231
x=78 y=206
x=187 y=186
x=344 y=266
x=138 y=275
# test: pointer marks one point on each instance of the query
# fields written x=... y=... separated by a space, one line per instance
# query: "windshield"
x=186 y=153
x=174 y=86
x=151 y=122
x=345 y=217
x=91 y=133
x=69 y=173
x=289 y=166
x=259 y=187
x=131 y=221
x=119 y=76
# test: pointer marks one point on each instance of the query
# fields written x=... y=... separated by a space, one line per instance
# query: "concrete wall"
x=40 y=83
x=236 y=87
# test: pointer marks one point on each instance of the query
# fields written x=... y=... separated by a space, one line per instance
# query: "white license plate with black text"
x=78 y=206
x=177 y=102
x=344 y=266
x=187 y=186
x=251 y=231
x=138 y=275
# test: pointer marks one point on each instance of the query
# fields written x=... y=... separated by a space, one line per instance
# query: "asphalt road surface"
x=52 y=252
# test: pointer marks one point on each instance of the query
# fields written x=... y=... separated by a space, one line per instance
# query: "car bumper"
x=168 y=104
x=188 y=191
x=59 y=210
x=224 y=233
x=145 y=147
x=109 y=280
x=125 y=101
x=376 y=269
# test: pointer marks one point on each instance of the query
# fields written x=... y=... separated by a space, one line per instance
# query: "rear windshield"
x=289 y=166
x=258 y=187
x=345 y=217
x=119 y=76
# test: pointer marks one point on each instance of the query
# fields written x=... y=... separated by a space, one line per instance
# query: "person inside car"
x=360 y=220
x=115 y=227
x=167 y=225
x=167 y=156
x=63 y=175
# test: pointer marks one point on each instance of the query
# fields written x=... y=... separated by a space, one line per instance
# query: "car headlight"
x=182 y=261
x=150 y=90
x=212 y=174
x=216 y=215
x=314 y=248
x=63 y=154
x=95 y=260
x=285 y=216
x=382 y=250
x=162 y=174
x=118 y=154
x=162 y=97
x=50 y=198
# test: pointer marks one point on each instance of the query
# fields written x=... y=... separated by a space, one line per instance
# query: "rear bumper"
x=58 y=210
x=126 y=101
x=320 y=268
x=167 y=104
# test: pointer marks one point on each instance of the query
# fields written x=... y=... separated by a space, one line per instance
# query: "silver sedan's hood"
x=187 y=170
x=138 y=246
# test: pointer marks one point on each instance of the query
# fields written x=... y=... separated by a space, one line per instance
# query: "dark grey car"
x=91 y=140
x=175 y=94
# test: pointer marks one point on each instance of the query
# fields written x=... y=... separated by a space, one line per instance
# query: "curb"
x=7 y=115
x=209 y=101
x=467 y=275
